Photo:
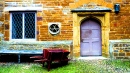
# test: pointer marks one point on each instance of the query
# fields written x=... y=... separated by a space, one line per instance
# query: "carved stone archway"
x=102 y=14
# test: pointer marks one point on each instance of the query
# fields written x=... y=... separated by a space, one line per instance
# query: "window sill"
x=22 y=41
x=39 y=42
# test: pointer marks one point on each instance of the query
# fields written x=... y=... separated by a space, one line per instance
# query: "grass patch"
x=72 y=67
x=21 y=68
x=119 y=63
x=76 y=66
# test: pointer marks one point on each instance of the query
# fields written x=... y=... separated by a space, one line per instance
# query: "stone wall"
x=120 y=22
x=52 y=11
x=59 y=11
x=119 y=32
x=35 y=45
x=120 y=49
x=2 y=2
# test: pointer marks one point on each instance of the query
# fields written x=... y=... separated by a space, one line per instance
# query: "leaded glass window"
x=17 y=26
x=23 y=25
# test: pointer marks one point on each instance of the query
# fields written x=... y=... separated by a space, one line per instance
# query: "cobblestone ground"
x=99 y=63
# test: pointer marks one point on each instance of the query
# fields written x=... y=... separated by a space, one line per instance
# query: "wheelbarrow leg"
x=18 y=58
x=43 y=64
x=49 y=65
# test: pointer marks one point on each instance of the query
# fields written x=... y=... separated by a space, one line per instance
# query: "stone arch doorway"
x=103 y=18
x=90 y=38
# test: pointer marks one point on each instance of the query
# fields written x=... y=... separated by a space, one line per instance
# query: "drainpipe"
x=111 y=50
x=71 y=50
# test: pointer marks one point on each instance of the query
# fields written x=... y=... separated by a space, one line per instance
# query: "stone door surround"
x=103 y=17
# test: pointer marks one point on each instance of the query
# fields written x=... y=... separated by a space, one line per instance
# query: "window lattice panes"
x=29 y=25
x=23 y=25
x=17 y=26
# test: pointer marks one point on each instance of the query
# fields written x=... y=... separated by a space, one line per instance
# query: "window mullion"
x=23 y=25
x=35 y=26
x=11 y=26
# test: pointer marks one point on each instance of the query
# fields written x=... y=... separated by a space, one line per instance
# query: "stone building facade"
x=68 y=16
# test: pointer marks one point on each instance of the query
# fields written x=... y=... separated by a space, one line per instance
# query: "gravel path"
x=109 y=68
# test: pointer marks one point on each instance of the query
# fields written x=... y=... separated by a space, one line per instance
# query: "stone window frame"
x=23 y=26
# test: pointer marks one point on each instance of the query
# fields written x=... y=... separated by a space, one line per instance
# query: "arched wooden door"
x=90 y=38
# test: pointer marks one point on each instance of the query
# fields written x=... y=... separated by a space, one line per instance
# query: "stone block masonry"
x=120 y=49
x=2 y=2
x=60 y=11
x=52 y=11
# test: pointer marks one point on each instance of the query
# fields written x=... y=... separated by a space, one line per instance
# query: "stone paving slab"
x=92 y=58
